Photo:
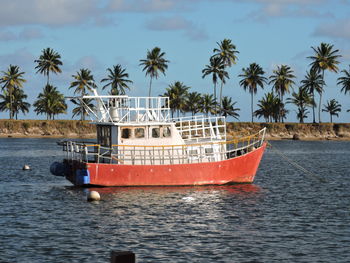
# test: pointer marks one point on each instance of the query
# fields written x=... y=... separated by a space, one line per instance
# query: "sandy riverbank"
x=82 y=129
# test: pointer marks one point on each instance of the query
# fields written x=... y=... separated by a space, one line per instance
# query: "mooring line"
x=296 y=165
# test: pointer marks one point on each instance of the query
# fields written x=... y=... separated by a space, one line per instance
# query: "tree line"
x=271 y=107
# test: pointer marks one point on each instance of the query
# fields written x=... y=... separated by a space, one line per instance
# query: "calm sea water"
x=284 y=216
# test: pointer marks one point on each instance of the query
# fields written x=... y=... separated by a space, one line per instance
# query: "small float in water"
x=139 y=144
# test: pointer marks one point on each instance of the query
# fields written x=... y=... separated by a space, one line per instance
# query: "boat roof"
x=119 y=110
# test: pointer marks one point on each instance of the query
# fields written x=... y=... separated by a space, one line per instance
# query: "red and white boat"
x=139 y=144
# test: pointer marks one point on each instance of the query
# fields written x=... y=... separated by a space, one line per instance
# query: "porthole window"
x=166 y=132
x=126 y=133
x=139 y=132
x=155 y=132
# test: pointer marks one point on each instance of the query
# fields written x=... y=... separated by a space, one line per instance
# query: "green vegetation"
x=49 y=61
x=50 y=102
x=332 y=107
x=325 y=58
x=252 y=77
x=12 y=80
x=227 y=54
x=118 y=80
x=153 y=64
x=83 y=81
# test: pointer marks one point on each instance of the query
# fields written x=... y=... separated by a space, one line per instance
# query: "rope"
x=283 y=156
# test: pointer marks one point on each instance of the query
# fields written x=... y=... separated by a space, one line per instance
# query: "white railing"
x=197 y=128
x=124 y=109
x=165 y=154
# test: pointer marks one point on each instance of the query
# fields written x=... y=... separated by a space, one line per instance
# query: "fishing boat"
x=138 y=143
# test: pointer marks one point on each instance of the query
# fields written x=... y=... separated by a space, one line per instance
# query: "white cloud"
x=169 y=23
x=7 y=36
x=142 y=5
x=177 y=23
x=25 y=34
x=47 y=12
x=337 y=29
x=288 y=8
x=89 y=62
x=22 y=58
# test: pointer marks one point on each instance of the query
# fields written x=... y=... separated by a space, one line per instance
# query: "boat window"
x=139 y=132
x=155 y=132
x=104 y=135
x=126 y=133
x=209 y=150
x=193 y=152
x=166 y=132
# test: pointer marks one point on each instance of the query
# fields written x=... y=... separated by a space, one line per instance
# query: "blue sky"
x=99 y=34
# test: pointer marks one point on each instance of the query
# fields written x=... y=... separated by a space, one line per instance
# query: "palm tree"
x=18 y=103
x=282 y=80
x=228 y=108
x=12 y=79
x=118 y=80
x=217 y=69
x=177 y=94
x=49 y=61
x=153 y=64
x=333 y=107
x=50 y=102
x=83 y=82
x=227 y=53
x=325 y=58
x=312 y=82
x=5 y=101
x=301 y=99
x=345 y=81
x=80 y=109
x=302 y=114
x=252 y=77
x=208 y=104
x=269 y=107
x=193 y=102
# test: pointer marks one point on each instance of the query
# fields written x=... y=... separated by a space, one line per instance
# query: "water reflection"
x=229 y=189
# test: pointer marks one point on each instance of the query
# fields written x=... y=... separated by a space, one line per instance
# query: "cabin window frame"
x=143 y=135
x=157 y=133
x=130 y=133
x=164 y=129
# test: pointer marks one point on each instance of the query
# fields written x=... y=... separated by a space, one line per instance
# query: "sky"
x=99 y=34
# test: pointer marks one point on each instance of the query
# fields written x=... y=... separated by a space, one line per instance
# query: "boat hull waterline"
x=240 y=169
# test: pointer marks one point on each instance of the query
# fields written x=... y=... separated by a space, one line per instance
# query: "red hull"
x=241 y=169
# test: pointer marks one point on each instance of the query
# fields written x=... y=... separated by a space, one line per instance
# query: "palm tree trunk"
x=215 y=98
x=81 y=112
x=48 y=78
x=319 y=106
x=252 y=106
x=222 y=84
x=150 y=88
x=281 y=117
x=313 y=107
x=11 y=112
x=331 y=117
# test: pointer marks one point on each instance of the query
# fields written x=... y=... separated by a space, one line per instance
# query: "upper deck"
x=127 y=110
x=150 y=114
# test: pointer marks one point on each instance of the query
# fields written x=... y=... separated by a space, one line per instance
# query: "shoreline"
x=74 y=129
